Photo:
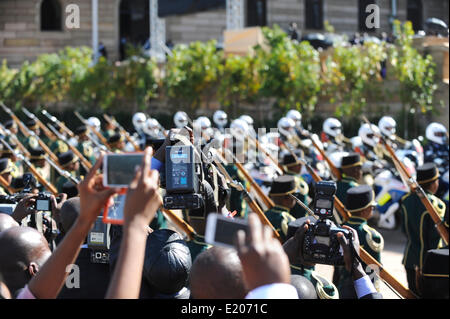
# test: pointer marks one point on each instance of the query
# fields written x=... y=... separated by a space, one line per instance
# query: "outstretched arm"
x=140 y=208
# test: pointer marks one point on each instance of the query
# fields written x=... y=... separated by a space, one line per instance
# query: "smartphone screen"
x=121 y=168
x=225 y=229
x=43 y=205
x=113 y=214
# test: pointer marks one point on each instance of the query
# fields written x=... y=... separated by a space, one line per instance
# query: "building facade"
x=29 y=28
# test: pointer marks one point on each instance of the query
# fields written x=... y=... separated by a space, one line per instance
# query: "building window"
x=51 y=15
x=363 y=15
x=414 y=14
x=314 y=14
x=256 y=13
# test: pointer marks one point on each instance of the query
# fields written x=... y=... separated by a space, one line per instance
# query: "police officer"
x=69 y=162
x=279 y=215
x=418 y=226
x=294 y=168
x=360 y=204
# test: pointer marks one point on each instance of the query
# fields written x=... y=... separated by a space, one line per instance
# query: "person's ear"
x=33 y=268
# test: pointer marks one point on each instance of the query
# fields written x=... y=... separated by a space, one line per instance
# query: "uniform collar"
x=344 y=176
x=357 y=220
x=280 y=208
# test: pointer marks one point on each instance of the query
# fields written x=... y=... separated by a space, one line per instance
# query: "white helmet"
x=240 y=125
x=95 y=122
x=366 y=133
x=181 y=119
x=436 y=133
x=286 y=126
x=296 y=116
x=202 y=123
x=151 y=127
x=332 y=127
x=139 y=120
x=220 y=118
x=247 y=119
x=387 y=126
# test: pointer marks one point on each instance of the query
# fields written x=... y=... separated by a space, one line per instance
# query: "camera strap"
x=355 y=256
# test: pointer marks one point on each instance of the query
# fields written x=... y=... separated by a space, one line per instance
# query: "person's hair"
x=305 y=288
x=217 y=274
x=69 y=213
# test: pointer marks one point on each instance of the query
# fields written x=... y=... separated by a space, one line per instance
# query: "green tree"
x=416 y=74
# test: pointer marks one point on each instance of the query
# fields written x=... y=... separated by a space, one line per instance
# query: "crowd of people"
x=268 y=179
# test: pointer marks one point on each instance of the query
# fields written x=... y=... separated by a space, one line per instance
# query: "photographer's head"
x=69 y=161
x=351 y=165
x=23 y=251
x=69 y=212
x=7 y=222
x=428 y=177
x=361 y=201
x=281 y=189
x=217 y=274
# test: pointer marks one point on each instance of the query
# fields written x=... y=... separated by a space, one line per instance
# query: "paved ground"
x=394 y=243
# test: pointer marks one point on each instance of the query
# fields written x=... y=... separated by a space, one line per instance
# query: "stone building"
x=32 y=27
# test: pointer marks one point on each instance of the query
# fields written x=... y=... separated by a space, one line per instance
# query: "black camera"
x=321 y=245
x=182 y=179
x=43 y=202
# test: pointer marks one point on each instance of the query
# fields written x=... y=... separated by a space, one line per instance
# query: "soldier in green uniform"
x=12 y=127
x=236 y=200
x=85 y=146
x=84 y=143
x=69 y=162
x=294 y=167
x=279 y=215
x=58 y=146
x=109 y=130
x=16 y=169
x=351 y=170
x=31 y=142
x=5 y=172
x=418 y=226
x=37 y=158
x=360 y=204
x=117 y=143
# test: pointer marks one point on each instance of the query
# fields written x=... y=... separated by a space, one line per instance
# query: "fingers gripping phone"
x=221 y=230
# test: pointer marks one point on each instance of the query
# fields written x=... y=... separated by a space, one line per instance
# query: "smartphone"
x=220 y=230
x=113 y=211
x=120 y=169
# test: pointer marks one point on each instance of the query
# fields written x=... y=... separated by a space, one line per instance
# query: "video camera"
x=321 y=245
x=187 y=181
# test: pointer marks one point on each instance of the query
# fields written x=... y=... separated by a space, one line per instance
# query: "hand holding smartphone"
x=118 y=172
x=221 y=230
